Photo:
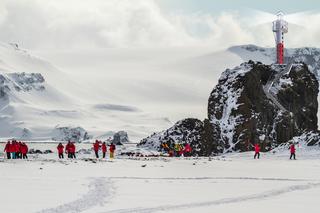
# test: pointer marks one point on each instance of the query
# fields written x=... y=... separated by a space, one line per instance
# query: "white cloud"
x=126 y=23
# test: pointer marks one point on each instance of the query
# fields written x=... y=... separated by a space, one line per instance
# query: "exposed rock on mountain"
x=185 y=131
x=242 y=112
x=252 y=103
x=120 y=138
x=75 y=134
x=20 y=82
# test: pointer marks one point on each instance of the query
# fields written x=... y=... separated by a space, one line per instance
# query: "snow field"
x=233 y=183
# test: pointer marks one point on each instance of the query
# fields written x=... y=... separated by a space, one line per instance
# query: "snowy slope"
x=140 y=91
x=33 y=110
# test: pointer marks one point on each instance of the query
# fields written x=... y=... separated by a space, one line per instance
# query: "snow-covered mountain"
x=38 y=101
x=102 y=92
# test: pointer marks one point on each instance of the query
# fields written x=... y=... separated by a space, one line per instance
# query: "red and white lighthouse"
x=279 y=28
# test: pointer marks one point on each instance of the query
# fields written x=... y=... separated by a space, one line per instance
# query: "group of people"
x=16 y=150
x=103 y=146
x=177 y=150
x=19 y=150
x=70 y=150
x=292 y=149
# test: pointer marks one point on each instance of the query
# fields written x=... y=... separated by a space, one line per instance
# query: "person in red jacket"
x=112 y=148
x=96 y=147
x=14 y=149
x=292 y=152
x=72 y=150
x=7 y=149
x=67 y=149
x=60 y=148
x=24 y=150
x=257 y=151
x=104 y=149
x=187 y=150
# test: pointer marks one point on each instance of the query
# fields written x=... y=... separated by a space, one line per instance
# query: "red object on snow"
x=72 y=148
x=112 y=148
x=104 y=147
x=96 y=146
x=292 y=149
x=7 y=148
x=187 y=148
x=257 y=148
x=24 y=148
x=60 y=148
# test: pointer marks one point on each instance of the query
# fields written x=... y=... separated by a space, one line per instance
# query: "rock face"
x=20 y=82
x=185 y=131
x=75 y=134
x=252 y=103
x=120 y=137
x=242 y=114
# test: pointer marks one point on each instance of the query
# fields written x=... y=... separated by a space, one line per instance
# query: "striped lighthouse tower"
x=279 y=28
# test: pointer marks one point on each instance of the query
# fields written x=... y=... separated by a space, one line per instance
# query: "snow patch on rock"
x=76 y=134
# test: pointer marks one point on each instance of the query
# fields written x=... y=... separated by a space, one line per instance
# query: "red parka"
x=72 y=148
x=68 y=147
x=292 y=149
x=187 y=148
x=112 y=148
x=104 y=147
x=24 y=148
x=257 y=148
x=96 y=146
x=60 y=148
x=7 y=148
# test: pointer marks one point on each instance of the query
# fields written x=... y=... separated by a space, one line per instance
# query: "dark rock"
x=35 y=151
x=121 y=137
x=252 y=103
x=47 y=151
x=243 y=114
x=185 y=131
x=75 y=134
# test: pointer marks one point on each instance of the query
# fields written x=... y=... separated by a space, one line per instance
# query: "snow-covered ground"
x=231 y=183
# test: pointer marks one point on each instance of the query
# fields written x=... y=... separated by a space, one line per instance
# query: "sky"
x=161 y=56
x=74 y=24
x=214 y=6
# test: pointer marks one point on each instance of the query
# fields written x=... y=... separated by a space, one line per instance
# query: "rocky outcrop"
x=120 y=138
x=75 y=134
x=185 y=131
x=241 y=112
x=252 y=103
x=20 y=82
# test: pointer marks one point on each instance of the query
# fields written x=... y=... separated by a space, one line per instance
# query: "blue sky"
x=217 y=6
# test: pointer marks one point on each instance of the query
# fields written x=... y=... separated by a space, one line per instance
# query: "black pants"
x=293 y=155
x=24 y=156
x=103 y=155
x=73 y=155
x=257 y=154
x=8 y=155
x=69 y=155
x=96 y=153
x=61 y=156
